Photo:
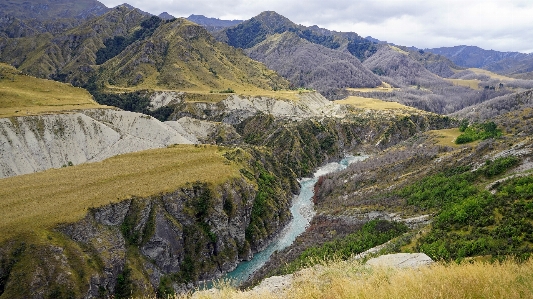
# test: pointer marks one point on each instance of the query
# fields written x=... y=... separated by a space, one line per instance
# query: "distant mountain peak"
x=212 y=22
x=166 y=16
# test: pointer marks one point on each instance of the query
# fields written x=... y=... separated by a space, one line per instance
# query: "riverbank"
x=302 y=214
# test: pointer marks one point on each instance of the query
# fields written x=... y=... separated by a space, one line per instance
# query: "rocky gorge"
x=167 y=242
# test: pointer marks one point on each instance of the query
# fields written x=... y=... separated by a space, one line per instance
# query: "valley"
x=143 y=156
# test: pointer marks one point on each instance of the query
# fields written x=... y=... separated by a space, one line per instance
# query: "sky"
x=502 y=25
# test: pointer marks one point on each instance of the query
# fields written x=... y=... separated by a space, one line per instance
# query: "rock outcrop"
x=401 y=260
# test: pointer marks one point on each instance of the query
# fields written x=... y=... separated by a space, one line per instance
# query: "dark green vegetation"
x=479 y=195
x=472 y=221
x=117 y=44
x=373 y=233
x=475 y=132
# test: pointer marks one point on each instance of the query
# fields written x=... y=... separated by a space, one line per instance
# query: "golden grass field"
x=473 y=84
x=445 y=137
x=371 y=103
x=352 y=280
x=42 y=200
x=22 y=95
x=384 y=87
x=490 y=74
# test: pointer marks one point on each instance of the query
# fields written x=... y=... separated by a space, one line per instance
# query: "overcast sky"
x=503 y=25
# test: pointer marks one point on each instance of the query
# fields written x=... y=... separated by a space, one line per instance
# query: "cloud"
x=490 y=24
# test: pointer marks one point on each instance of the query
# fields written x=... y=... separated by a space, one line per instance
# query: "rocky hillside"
x=36 y=143
x=306 y=64
x=395 y=65
x=195 y=219
x=257 y=29
x=259 y=36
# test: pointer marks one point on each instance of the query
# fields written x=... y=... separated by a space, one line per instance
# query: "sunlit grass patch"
x=473 y=83
x=25 y=95
x=490 y=74
x=446 y=137
x=43 y=200
x=371 y=103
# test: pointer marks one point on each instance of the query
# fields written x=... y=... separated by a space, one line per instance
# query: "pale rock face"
x=36 y=143
x=164 y=98
x=309 y=105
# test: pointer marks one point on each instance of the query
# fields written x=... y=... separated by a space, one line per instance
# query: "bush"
x=477 y=131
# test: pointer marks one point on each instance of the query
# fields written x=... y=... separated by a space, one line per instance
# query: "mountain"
x=308 y=56
x=306 y=64
x=475 y=57
x=399 y=68
x=212 y=24
x=69 y=56
x=516 y=64
x=166 y=16
x=30 y=18
x=183 y=56
x=46 y=10
x=435 y=63
x=258 y=28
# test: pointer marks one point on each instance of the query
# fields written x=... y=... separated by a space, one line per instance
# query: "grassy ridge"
x=25 y=95
x=43 y=200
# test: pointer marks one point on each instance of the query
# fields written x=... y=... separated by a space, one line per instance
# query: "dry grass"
x=445 y=137
x=25 y=95
x=371 y=103
x=384 y=87
x=473 y=84
x=399 y=50
x=43 y=200
x=490 y=74
x=352 y=280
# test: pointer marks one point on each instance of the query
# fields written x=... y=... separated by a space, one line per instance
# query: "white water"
x=302 y=212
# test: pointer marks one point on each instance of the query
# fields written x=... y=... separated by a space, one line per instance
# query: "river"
x=302 y=211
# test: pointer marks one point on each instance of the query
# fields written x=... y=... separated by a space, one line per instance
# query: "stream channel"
x=302 y=212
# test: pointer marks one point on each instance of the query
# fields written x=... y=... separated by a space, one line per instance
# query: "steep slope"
x=69 y=55
x=36 y=143
x=395 y=64
x=437 y=64
x=306 y=64
x=184 y=56
x=498 y=106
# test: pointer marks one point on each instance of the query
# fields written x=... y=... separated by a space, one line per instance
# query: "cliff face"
x=36 y=143
x=144 y=245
